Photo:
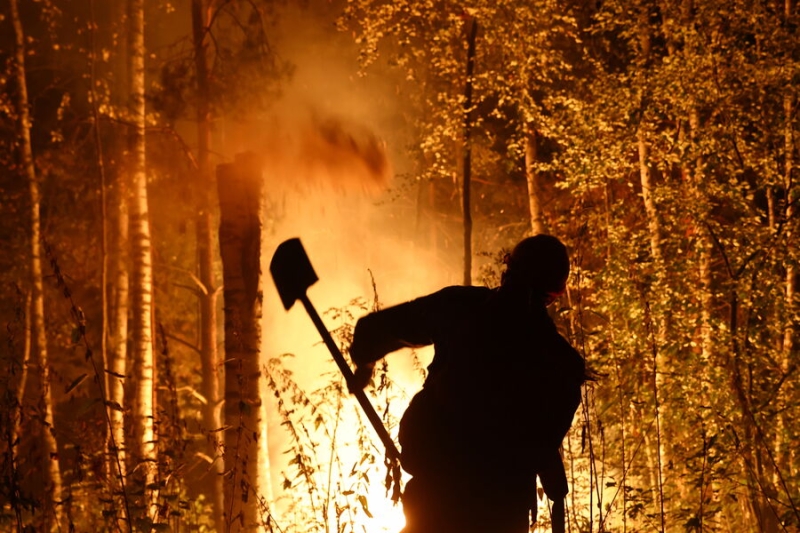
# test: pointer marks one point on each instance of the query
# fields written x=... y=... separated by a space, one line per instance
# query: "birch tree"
x=54 y=500
x=141 y=264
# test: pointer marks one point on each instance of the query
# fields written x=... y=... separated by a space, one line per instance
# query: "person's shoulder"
x=465 y=291
x=462 y=295
x=454 y=301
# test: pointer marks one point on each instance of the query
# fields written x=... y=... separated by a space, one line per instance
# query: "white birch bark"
x=141 y=258
x=534 y=187
x=118 y=336
x=53 y=511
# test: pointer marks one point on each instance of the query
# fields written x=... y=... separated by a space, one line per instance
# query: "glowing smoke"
x=330 y=151
x=314 y=151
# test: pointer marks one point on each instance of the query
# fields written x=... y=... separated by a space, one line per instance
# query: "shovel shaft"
x=391 y=449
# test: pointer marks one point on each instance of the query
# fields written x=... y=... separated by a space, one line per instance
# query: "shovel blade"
x=291 y=271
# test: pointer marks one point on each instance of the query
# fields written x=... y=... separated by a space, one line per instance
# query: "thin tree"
x=141 y=260
x=466 y=202
x=785 y=452
x=533 y=179
x=205 y=258
x=50 y=463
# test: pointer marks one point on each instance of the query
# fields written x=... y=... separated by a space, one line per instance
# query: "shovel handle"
x=391 y=449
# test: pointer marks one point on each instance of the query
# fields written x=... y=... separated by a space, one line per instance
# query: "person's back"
x=501 y=393
x=488 y=421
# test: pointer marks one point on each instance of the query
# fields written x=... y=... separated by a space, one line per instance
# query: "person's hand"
x=361 y=377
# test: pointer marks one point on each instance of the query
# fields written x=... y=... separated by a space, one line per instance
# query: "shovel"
x=293 y=275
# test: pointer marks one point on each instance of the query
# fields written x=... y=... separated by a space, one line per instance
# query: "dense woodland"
x=154 y=153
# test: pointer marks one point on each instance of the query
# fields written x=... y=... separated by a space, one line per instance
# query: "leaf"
x=77 y=381
x=363 y=501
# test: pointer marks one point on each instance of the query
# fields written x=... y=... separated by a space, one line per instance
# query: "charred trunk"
x=239 y=187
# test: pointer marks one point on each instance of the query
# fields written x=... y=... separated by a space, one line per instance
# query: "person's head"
x=538 y=265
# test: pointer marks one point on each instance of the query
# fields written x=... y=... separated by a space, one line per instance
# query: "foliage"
x=694 y=347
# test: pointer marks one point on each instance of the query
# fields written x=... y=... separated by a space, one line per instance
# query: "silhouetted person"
x=499 y=398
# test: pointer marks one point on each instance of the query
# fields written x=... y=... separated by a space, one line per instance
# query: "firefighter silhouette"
x=500 y=396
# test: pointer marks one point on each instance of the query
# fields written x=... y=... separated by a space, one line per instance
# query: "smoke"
x=331 y=151
x=312 y=150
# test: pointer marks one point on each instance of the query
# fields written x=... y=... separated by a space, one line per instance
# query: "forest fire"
x=340 y=225
x=155 y=154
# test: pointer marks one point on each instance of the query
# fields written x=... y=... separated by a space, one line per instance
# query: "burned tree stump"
x=240 y=188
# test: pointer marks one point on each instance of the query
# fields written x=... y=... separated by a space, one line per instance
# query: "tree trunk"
x=657 y=321
x=239 y=187
x=749 y=442
x=115 y=296
x=23 y=378
x=53 y=510
x=784 y=450
x=205 y=258
x=141 y=264
x=11 y=471
x=118 y=335
x=532 y=177
x=694 y=176
x=650 y=207
x=466 y=202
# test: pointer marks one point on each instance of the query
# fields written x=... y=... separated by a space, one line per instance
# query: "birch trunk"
x=112 y=376
x=657 y=317
x=694 y=176
x=208 y=294
x=141 y=262
x=239 y=186
x=534 y=187
x=12 y=475
x=53 y=503
x=657 y=320
x=118 y=336
x=19 y=397
x=650 y=207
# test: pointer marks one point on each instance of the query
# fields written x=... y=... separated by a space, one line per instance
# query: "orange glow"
x=353 y=237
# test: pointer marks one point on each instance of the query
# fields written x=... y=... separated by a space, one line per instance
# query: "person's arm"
x=393 y=328
x=408 y=325
x=562 y=391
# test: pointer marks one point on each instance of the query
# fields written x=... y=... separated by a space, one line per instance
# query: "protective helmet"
x=540 y=263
